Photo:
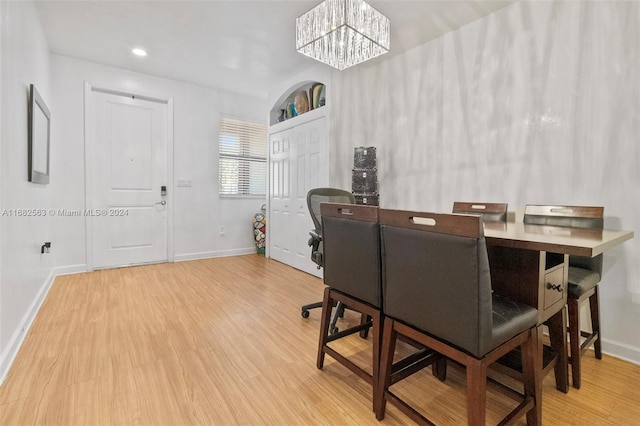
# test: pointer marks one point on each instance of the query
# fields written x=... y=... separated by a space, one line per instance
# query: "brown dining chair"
x=437 y=291
x=351 y=239
x=490 y=212
x=352 y=272
x=584 y=276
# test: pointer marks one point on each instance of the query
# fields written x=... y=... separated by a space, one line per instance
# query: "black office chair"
x=490 y=212
x=437 y=291
x=315 y=197
x=584 y=275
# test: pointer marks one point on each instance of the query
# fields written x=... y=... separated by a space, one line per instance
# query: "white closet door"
x=280 y=196
x=309 y=139
x=298 y=164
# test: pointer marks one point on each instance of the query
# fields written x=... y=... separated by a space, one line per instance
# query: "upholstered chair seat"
x=509 y=319
x=581 y=281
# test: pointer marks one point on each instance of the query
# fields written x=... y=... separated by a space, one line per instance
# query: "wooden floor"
x=222 y=342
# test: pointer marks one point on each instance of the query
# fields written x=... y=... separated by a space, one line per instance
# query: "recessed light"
x=139 y=52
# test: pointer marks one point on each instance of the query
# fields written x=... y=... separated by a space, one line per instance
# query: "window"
x=242 y=158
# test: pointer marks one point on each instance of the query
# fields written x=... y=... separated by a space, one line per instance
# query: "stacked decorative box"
x=364 y=185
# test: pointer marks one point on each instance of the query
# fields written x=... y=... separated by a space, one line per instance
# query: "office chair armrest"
x=316 y=252
x=315 y=239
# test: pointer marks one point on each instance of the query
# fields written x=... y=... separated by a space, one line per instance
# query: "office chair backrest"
x=490 y=212
x=351 y=238
x=436 y=276
x=569 y=216
x=317 y=196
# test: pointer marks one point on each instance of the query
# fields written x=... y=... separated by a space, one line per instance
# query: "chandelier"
x=342 y=33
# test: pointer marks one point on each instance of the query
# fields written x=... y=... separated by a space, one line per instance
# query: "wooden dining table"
x=530 y=263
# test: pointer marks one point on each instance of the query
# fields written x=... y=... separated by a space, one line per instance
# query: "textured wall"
x=536 y=103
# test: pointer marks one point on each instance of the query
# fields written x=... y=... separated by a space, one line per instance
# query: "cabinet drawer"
x=554 y=286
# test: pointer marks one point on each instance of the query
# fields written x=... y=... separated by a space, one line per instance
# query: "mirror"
x=39 y=136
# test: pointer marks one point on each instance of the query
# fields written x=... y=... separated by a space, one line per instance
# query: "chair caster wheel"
x=333 y=330
x=305 y=314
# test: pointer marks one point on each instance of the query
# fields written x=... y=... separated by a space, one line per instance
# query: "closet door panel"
x=297 y=164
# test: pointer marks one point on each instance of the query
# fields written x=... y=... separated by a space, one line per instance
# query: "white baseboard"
x=9 y=354
x=621 y=350
x=211 y=254
x=70 y=269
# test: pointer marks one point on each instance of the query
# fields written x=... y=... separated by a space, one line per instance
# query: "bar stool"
x=584 y=275
x=437 y=291
x=352 y=273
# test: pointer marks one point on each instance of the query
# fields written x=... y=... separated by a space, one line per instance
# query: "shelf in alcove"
x=283 y=103
x=300 y=119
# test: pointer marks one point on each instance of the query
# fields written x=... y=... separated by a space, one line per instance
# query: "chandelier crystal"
x=342 y=33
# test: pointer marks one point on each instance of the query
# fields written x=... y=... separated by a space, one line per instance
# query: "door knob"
x=162 y=203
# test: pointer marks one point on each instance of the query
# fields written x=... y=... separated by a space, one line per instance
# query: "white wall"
x=198 y=210
x=536 y=103
x=25 y=275
x=2 y=25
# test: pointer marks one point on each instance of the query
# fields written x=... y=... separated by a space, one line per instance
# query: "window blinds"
x=242 y=157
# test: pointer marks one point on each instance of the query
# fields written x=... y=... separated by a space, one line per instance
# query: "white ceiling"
x=238 y=45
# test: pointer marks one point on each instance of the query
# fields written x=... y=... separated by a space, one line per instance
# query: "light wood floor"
x=221 y=342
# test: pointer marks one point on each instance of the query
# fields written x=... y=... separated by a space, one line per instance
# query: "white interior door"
x=280 y=196
x=308 y=145
x=129 y=167
x=297 y=164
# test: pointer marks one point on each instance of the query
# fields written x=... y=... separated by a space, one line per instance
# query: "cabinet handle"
x=556 y=287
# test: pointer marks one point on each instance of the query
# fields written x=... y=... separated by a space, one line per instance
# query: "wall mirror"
x=39 y=137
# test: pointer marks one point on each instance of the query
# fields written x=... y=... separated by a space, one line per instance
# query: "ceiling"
x=242 y=46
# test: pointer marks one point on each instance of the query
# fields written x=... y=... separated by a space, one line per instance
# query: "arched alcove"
x=311 y=93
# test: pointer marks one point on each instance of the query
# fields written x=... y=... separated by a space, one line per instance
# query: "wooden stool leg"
x=389 y=336
x=439 y=367
x=574 y=340
x=377 y=344
x=476 y=393
x=325 y=319
x=532 y=377
x=594 y=304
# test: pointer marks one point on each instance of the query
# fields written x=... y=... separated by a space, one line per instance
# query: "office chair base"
x=305 y=309
x=339 y=313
